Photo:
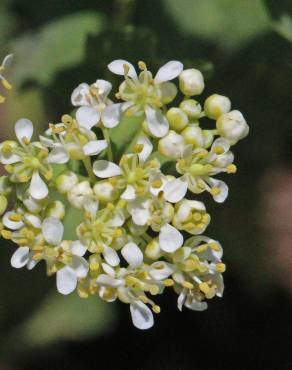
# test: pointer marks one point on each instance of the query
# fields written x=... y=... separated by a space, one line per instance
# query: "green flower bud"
x=191 y=82
x=3 y=204
x=191 y=107
x=193 y=134
x=177 y=119
x=216 y=105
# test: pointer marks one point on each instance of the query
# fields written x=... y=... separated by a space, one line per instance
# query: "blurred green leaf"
x=284 y=27
x=226 y=22
x=64 y=317
x=56 y=46
x=123 y=134
x=72 y=219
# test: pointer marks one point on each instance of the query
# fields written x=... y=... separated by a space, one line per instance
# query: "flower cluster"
x=6 y=63
x=141 y=229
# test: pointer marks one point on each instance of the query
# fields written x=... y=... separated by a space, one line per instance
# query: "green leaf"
x=64 y=317
x=58 y=45
x=122 y=135
x=284 y=27
x=228 y=23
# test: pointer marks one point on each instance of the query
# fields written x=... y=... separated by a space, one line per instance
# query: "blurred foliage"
x=243 y=47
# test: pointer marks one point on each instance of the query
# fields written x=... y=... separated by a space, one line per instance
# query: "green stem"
x=109 y=145
x=88 y=167
x=147 y=237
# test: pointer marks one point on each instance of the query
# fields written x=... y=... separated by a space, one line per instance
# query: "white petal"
x=58 y=155
x=80 y=266
x=94 y=147
x=147 y=148
x=34 y=220
x=38 y=188
x=169 y=71
x=175 y=190
x=78 y=97
x=161 y=270
x=108 y=281
x=53 y=230
x=78 y=248
x=66 y=280
x=106 y=169
x=111 y=256
x=118 y=219
x=87 y=117
x=222 y=186
x=46 y=141
x=23 y=129
x=140 y=212
x=7 y=61
x=117 y=67
x=111 y=116
x=31 y=264
x=129 y=193
x=196 y=305
x=170 y=239
x=141 y=315
x=104 y=87
x=157 y=123
x=132 y=254
x=108 y=270
x=13 y=225
x=8 y=158
x=181 y=299
x=20 y=257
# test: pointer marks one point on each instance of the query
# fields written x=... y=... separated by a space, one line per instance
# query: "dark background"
x=244 y=49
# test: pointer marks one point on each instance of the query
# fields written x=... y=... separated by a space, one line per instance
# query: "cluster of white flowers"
x=142 y=229
x=6 y=63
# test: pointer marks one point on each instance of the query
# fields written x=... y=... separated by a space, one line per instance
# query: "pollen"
x=156 y=309
x=231 y=168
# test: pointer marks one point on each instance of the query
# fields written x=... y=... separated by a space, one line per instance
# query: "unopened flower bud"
x=191 y=107
x=3 y=204
x=216 y=105
x=79 y=193
x=177 y=119
x=105 y=191
x=172 y=145
x=232 y=126
x=193 y=134
x=56 y=209
x=66 y=181
x=191 y=82
x=153 y=250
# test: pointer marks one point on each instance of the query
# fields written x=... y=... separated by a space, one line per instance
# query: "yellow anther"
x=188 y=285
x=110 y=206
x=191 y=264
x=93 y=91
x=37 y=256
x=154 y=289
x=6 y=84
x=23 y=178
x=201 y=184
x=143 y=275
x=215 y=191
x=58 y=130
x=190 y=225
x=25 y=140
x=118 y=233
x=168 y=282
x=231 y=168
x=94 y=266
x=118 y=96
x=67 y=119
x=218 y=150
x=142 y=65
x=138 y=148
x=6 y=234
x=100 y=249
x=82 y=293
x=126 y=69
x=215 y=247
x=204 y=287
x=156 y=309
x=220 y=267
x=6 y=148
x=108 y=293
x=202 y=248
x=87 y=215
x=156 y=184
x=15 y=217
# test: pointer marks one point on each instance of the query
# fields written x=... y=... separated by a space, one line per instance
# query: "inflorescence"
x=142 y=230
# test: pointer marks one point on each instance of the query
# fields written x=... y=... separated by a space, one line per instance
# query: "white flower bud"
x=191 y=107
x=105 y=191
x=232 y=126
x=193 y=134
x=191 y=82
x=177 y=119
x=56 y=209
x=216 y=105
x=153 y=250
x=168 y=92
x=66 y=181
x=79 y=193
x=172 y=145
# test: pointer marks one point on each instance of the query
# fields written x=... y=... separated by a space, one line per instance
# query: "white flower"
x=145 y=94
x=170 y=239
x=95 y=105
